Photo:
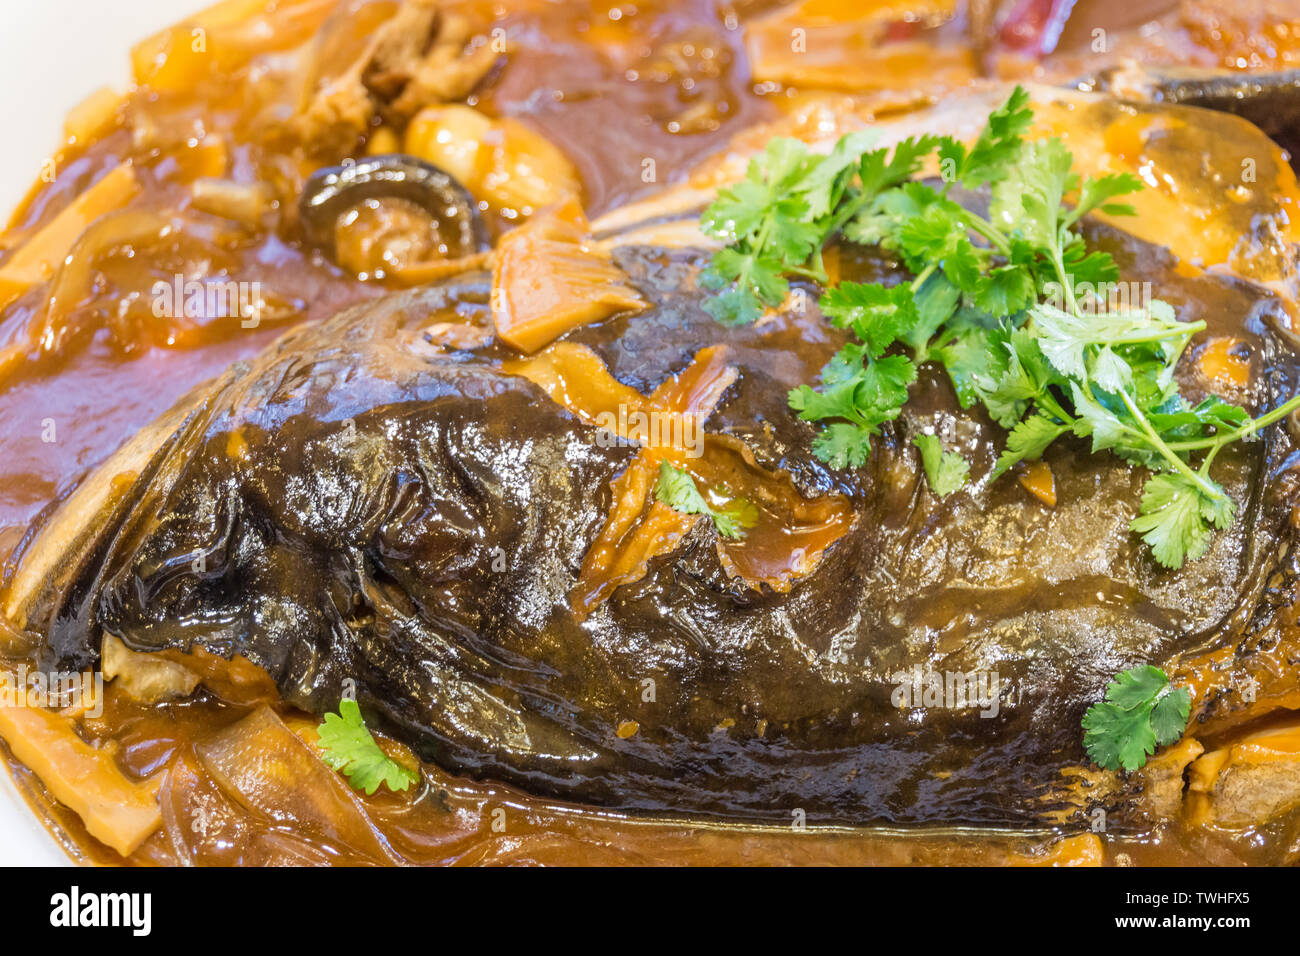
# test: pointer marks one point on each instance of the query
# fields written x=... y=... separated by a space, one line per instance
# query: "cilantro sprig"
x=677 y=489
x=347 y=745
x=862 y=387
x=790 y=203
x=1001 y=301
x=1140 y=712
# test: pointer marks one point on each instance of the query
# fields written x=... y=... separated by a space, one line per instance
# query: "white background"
x=52 y=54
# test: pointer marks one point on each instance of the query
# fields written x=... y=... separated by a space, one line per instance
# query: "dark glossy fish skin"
x=365 y=552
x=347 y=507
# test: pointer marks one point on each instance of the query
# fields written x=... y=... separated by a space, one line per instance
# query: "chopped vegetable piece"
x=38 y=258
x=117 y=810
x=1038 y=480
x=1221 y=363
x=548 y=280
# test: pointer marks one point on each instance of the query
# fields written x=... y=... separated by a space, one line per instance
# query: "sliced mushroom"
x=383 y=213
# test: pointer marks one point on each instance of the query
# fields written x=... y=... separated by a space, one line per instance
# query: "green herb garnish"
x=791 y=202
x=1140 y=713
x=861 y=386
x=946 y=470
x=1003 y=303
x=347 y=745
x=677 y=490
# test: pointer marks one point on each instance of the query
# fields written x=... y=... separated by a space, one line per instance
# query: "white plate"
x=52 y=54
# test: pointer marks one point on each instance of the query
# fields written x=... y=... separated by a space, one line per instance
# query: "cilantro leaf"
x=996 y=149
x=1072 y=342
x=1115 y=737
x=968 y=347
x=735 y=519
x=868 y=397
x=881 y=219
x=767 y=223
x=1028 y=201
x=676 y=488
x=738 y=211
x=1111 y=429
x=878 y=173
x=842 y=444
x=860 y=384
x=936 y=301
x=1005 y=290
x=750 y=283
x=1028 y=440
x=856 y=387
x=876 y=315
x=1169 y=716
x=1176 y=516
x=347 y=745
x=1215 y=412
x=931 y=235
x=1097 y=193
x=1136 y=686
x=1139 y=713
x=824 y=185
x=1023 y=378
x=964 y=266
x=1096 y=268
x=945 y=470
x=776 y=220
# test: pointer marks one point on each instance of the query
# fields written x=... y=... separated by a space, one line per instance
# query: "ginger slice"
x=38 y=258
x=548 y=279
x=697 y=389
x=575 y=377
x=632 y=536
x=638 y=528
x=790 y=533
x=117 y=811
